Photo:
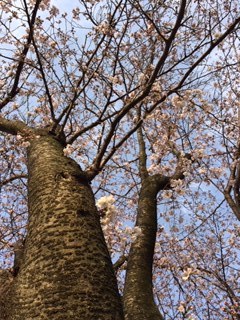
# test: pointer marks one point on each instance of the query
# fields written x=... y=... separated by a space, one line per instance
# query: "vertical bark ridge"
x=66 y=271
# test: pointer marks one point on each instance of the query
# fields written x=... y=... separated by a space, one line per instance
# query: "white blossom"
x=177 y=102
x=181 y=308
x=136 y=232
x=19 y=137
x=25 y=144
x=68 y=150
x=103 y=28
x=187 y=273
x=106 y=206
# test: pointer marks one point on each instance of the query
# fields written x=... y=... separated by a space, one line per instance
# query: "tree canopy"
x=144 y=96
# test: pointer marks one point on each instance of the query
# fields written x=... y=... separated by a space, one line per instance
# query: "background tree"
x=72 y=88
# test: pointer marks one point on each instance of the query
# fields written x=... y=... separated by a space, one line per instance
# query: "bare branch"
x=13 y=178
x=119 y=262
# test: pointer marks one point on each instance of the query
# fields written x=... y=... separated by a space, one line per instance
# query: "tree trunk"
x=138 y=292
x=6 y=281
x=66 y=272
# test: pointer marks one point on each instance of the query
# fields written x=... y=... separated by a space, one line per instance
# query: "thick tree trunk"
x=138 y=292
x=66 y=271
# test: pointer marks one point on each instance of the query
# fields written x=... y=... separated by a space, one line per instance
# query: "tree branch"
x=14 y=90
x=15 y=177
x=13 y=126
x=119 y=263
x=142 y=152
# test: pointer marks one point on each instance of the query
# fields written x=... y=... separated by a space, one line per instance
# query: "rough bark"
x=6 y=282
x=138 y=291
x=66 y=271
